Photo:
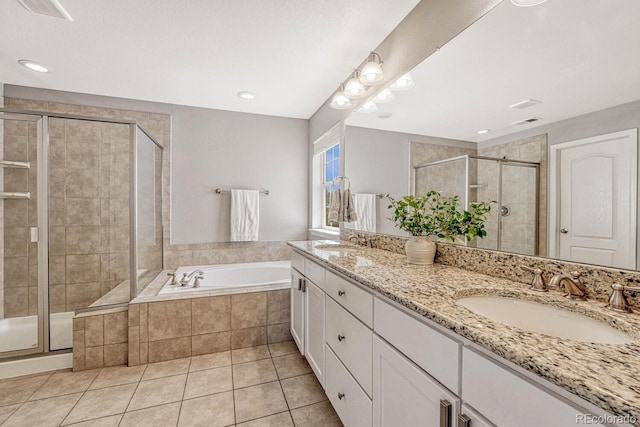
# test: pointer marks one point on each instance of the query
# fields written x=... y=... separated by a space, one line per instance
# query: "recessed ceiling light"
x=385 y=116
x=524 y=104
x=527 y=3
x=34 y=66
x=245 y=94
x=483 y=131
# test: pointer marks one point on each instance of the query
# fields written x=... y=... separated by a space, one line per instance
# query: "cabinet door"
x=470 y=418
x=297 y=309
x=314 y=330
x=404 y=395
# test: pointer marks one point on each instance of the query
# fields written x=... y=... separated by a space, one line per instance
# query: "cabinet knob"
x=341 y=293
x=340 y=396
x=341 y=338
x=564 y=230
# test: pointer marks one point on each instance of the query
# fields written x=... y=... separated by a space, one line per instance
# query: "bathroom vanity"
x=391 y=347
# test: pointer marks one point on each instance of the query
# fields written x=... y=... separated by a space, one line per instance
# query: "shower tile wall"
x=449 y=179
x=533 y=149
x=20 y=258
x=89 y=211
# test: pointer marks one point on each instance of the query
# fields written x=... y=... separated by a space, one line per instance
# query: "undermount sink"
x=337 y=247
x=543 y=319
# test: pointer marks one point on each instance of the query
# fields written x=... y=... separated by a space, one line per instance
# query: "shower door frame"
x=42 y=118
x=504 y=161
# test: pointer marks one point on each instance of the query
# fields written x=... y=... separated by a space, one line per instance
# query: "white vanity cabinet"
x=404 y=395
x=308 y=311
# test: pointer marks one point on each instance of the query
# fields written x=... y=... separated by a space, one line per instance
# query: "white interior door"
x=596 y=198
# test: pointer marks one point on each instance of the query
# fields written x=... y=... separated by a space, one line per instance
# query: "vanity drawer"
x=434 y=352
x=351 y=403
x=297 y=261
x=314 y=272
x=507 y=399
x=358 y=301
x=351 y=341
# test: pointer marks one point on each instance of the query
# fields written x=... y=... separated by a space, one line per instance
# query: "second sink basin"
x=543 y=319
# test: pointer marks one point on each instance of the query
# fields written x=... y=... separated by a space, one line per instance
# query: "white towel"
x=335 y=206
x=365 y=209
x=245 y=213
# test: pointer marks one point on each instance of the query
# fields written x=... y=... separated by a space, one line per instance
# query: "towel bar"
x=219 y=191
x=6 y=195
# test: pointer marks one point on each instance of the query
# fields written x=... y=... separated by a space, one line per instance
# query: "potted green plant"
x=434 y=216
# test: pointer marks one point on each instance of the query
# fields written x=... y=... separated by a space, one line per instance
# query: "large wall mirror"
x=536 y=108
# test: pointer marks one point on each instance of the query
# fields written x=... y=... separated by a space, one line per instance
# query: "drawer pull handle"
x=340 y=396
x=341 y=293
x=464 y=421
x=341 y=338
x=445 y=413
x=299 y=284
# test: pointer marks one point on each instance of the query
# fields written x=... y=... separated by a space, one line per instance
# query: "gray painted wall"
x=215 y=148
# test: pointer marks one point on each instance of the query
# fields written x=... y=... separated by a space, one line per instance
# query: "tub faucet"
x=572 y=285
x=196 y=283
x=186 y=277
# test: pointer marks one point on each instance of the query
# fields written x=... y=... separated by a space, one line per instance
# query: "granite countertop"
x=606 y=375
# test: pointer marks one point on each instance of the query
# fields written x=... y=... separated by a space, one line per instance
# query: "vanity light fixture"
x=403 y=83
x=33 y=66
x=354 y=89
x=527 y=3
x=340 y=101
x=371 y=73
x=246 y=95
x=384 y=96
x=483 y=131
x=368 y=107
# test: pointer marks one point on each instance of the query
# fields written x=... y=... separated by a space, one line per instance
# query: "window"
x=330 y=171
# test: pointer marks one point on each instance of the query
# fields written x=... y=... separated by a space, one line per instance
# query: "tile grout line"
x=186 y=379
x=134 y=392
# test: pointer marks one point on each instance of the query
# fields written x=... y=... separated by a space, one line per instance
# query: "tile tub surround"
x=605 y=375
x=164 y=329
x=265 y=385
x=100 y=339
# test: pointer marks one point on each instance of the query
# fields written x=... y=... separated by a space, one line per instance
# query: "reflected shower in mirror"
x=528 y=88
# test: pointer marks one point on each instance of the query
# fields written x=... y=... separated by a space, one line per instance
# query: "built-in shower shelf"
x=9 y=195
x=12 y=164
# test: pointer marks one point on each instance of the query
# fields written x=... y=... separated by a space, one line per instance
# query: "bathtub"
x=233 y=278
x=19 y=333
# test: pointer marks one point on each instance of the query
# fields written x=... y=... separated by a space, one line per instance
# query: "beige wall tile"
x=82 y=211
x=211 y=314
x=57 y=152
x=83 y=130
x=78 y=324
x=16 y=302
x=210 y=343
x=57 y=270
x=83 y=239
x=93 y=357
x=279 y=333
x=15 y=272
x=33 y=300
x=169 y=349
x=15 y=127
x=115 y=354
x=57 y=240
x=16 y=180
x=248 y=310
x=58 y=298
x=82 y=294
x=134 y=346
x=278 y=306
x=175 y=259
x=78 y=351
x=57 y=215
x=94 y=330
x=134 y=315
x=116 y=328
x=250 y=337
x=83 y=268
x=15 y=241
x=81 y=183
x=144 y=353
x=15 y=148
x=15 y=213
x=144 y=322
x=83 y=154
x=169 y=319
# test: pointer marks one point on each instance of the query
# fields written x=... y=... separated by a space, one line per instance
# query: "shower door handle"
x=564 y=231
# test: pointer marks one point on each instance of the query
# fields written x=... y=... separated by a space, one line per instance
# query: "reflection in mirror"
x=528 y=88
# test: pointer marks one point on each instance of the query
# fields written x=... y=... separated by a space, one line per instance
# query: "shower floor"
x=19 y=333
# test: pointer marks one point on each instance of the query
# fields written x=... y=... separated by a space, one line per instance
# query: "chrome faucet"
x=186 y=277
x=618 y=300
x=174 y=280
x=572 y=285
x=537 y=284
x=354 y=238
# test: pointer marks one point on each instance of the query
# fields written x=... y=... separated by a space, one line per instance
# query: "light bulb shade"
x=354 y=89
x=368 y=107
x=384 y=96
x=403 y=83
x=340 y=101
x=371 y=73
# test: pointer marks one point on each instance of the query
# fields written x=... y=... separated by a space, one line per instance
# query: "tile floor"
x=254 y=387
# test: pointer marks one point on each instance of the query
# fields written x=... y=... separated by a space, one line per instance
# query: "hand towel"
x=335 y=206
x=348 y=208
x=365 y=208
x=245 y=213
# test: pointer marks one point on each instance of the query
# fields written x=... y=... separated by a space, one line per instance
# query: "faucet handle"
x=196 y=282
x=618 y=300
x=174 y=281
x=576 y=275
x=538 y=283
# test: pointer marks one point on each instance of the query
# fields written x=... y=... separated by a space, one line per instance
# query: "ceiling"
x=576 y=56
x=291 y=54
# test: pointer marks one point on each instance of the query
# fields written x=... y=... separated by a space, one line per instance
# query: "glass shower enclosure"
x=80 y=222
x=512 y=225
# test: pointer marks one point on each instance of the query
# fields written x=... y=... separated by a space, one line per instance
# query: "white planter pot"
x=420 y=250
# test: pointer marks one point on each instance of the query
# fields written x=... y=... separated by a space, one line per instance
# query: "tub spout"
x=186 y=277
